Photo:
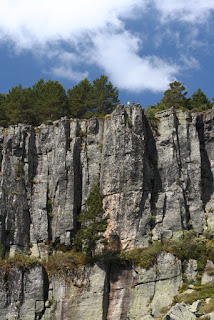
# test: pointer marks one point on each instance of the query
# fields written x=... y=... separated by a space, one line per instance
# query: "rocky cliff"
x=155 y=185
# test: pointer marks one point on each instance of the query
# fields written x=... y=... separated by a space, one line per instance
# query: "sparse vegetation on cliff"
x=21 y=261
x=189 y=246
x=63 y=263
x=93 y=225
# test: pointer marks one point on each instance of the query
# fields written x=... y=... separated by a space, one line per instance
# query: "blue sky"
x=141 y=45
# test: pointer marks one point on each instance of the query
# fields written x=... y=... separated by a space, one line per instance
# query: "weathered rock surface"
x=191 y=270
x=178 y=312
x=23 y=294
x=208 y=275
x=91 y=293
x=155 y=186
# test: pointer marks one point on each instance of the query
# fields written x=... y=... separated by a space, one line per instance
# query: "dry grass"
x=199 y=293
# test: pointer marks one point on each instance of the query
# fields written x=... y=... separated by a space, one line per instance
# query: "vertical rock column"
x=122 y=175
x=206 y=136
x=178 y=204
x=56 y=187
x=14 y=176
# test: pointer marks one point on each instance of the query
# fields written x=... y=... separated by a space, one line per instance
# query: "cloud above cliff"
x=140 y=44
x=194 y=11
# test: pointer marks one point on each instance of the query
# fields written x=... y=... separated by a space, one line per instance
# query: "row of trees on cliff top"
x=175 y=97
x=49 y=101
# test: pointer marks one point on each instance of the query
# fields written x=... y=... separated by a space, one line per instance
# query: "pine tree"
x=17 y=105
x=50 y=100
x=105 y=96
x=199 y=101
x=93 y=223
x=174 y=97
x=80 y=99
x=3 y=120
x=86 y=99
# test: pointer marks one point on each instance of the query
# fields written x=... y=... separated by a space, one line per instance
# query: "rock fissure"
x=154 y=187
x=156 y=280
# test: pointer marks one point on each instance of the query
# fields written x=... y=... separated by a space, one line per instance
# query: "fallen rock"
x=179 y=312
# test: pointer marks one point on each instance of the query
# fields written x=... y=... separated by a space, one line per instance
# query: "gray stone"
x=190 y=286
x=191 y=271
x=195 y=306
x=152 y=183
x=155 y=184
x=22 y=296
x=179 y=312
x=208 y=275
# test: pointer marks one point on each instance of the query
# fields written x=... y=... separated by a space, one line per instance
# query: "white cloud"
x=63 y=66
x=119 y=56
x=31 y=22
x=196 y=11
x=95 y=31
x=68 y=73
x=189 y=62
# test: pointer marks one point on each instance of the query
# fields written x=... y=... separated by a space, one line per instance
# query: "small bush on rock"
x=144 y=257
x=61 y=263
x=20 y=261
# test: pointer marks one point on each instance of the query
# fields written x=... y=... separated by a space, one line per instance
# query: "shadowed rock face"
x=154 y=185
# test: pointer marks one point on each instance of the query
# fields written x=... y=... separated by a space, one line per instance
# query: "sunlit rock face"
x=91 y=293
x=155 y=184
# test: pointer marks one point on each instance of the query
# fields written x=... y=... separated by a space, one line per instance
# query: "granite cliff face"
x=155 y=185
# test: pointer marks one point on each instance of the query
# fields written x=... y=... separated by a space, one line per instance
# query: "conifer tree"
x=86 y=99
x=18 y=105
x=174 y=96
x=199 y=101
x=105 y=96
x=80 y=99
x=93 y=223
x=50 y=100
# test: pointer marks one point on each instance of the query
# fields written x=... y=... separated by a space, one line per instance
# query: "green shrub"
x=20 y=261
x=150 y=115
x=82 y=133
x=19 y=168
x=2 y=250
x=144 y=257
x=191 y=247
x=61 y=263
x=93 y=224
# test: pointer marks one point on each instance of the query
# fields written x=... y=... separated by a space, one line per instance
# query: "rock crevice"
x=155 y=185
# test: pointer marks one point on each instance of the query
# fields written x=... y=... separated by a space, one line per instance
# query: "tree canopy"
x=98 y=98
x=49 y=101
x=199 y=101
x=175 y=97
x=80 y=99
